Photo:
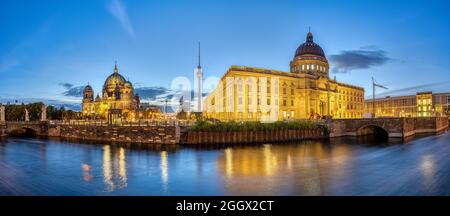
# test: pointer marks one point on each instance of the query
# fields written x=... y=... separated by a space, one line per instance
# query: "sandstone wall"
x=2 y=129
x=134 y=134
x=194 y=137
x=430 y=125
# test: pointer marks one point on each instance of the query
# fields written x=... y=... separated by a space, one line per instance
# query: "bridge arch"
x=23 y=131
x=374 y=130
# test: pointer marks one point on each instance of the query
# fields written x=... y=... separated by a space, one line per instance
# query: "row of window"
x=352 y=93
x=352 y=106
x=349 y=115
x=352 y=99
x=309 y=67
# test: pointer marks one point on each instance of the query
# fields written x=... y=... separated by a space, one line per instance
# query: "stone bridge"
x=390 y=127
x=39 y=128
x=158 y=134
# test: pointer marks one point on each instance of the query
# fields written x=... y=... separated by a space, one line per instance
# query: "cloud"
x=159 y=93
x=66 y=85
x=118 y=10
x=76 y=91
x=152 y=93
x=364 y=58
x=155 y=95
x=437 y=86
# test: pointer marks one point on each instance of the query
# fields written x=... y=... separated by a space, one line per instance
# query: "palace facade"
x=118 y=99
x=258 y=94
x=422 y=104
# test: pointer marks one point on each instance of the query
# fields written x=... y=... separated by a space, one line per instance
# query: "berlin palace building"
x=258 y=94
x=422 y=104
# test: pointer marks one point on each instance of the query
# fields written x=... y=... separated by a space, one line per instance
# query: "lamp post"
x=374 y=84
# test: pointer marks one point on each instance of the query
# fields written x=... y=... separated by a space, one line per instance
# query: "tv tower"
x=200 y=78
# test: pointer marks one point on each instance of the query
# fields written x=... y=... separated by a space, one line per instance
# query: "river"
x=342 y=166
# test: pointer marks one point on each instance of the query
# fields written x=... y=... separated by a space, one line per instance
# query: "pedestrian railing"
x=141 y=123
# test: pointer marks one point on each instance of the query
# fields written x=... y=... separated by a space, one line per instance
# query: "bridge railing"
x=124 y=123
x=22 y=122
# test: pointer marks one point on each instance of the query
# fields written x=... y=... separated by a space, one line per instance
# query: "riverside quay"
x=185 y=132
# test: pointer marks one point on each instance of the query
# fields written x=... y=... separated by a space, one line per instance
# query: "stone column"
x=44 y=113
x=27 y=116
x=2 y=114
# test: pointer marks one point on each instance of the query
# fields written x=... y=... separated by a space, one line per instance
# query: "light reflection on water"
x=337 y=167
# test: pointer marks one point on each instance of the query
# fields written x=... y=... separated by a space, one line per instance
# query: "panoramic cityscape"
x=187 y=99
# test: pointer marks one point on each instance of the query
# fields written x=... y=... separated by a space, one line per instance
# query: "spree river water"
x=341 y=166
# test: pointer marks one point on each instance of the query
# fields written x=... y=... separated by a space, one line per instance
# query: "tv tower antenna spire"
x=199 y=81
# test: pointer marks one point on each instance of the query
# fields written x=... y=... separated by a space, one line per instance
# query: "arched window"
x=249 y=84
x=240 y=84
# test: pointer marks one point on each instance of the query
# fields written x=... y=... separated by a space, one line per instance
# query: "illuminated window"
x=312 y=67
x=307 y=67
x=303 y=68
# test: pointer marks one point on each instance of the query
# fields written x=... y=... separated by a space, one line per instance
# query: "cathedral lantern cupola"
x=310 y=58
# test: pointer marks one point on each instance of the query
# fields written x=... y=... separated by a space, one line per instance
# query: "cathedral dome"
x=115 y=79
x=309 y=48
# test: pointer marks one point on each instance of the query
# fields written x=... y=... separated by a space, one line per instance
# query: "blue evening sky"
x=46 y=43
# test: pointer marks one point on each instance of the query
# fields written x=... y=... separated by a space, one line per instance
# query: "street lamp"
x=374 y=84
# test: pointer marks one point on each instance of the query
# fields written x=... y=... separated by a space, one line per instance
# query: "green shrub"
x=206 y=126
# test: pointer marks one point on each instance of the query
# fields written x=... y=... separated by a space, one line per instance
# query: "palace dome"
x=309 y=48
x=115 y=79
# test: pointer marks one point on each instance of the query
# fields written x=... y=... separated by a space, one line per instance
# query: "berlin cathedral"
x=118 y=99
x=260 y=94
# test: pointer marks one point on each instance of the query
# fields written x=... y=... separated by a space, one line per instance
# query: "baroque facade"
x=422 y=104
x=117 y=98
x=258 y=94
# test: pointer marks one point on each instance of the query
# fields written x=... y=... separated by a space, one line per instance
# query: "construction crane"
x=374 y=85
